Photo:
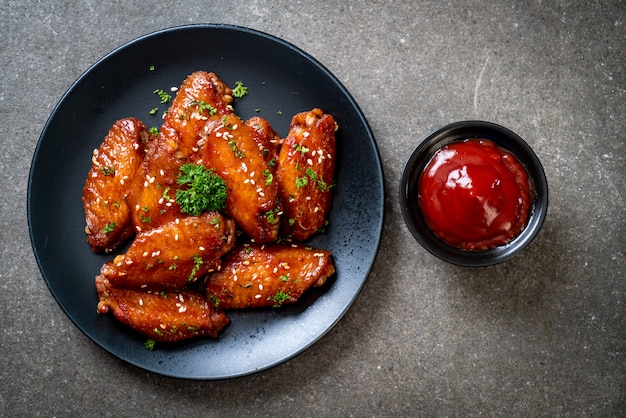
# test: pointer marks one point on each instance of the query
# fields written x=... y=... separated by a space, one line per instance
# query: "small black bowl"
x=460 y=131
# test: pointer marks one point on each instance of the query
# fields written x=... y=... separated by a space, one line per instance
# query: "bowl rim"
x=458 y=131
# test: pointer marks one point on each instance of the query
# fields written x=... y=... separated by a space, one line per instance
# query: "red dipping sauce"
x=475 y=195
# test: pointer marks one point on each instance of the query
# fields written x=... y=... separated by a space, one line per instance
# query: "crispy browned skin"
x=153 y=192
x=307 y=156
x=173 y=255
x=162 y=316
x=114 y=164
x=266 y=138
x=259 y=276
x=252 y=198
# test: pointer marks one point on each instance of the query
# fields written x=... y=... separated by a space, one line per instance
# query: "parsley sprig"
x=205 y=191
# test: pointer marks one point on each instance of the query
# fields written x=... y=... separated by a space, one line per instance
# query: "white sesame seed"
x=145 y=184
x=218 y=134
x=182 y=309
x=177 y=221
x=162 y=172
x=173 y=88
x=309 y=161
x=201 y=248
x=260 y=286
x=235 y=126
x=145 y=253
x=176 y=237
x=257 y=296
x=140 y=302
x=246 y=262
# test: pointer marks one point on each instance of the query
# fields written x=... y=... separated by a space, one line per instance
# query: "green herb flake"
x=153 y=111
x=149 y=344
x=240 y=90
x=301 y=182
x=268 y=177
x=205 y=191
x=163 y=95
x=109 y=227
x=197 y=263
x=202 y=106
x=107 y=171
x=154 y=131
x=279 y=298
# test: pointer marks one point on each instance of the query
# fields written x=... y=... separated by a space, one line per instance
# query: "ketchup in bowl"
x=475 y=195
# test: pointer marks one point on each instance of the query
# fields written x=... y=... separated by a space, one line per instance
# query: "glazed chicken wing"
x=173 y=255
x=162 y=316
x=306 y=171
x=266 y=138
x=268 y=276
x=114 y=164
x=200 y=96
x=252 y=199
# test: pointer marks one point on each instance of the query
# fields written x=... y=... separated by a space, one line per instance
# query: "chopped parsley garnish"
x=153 y=111
x=164 y=96
x=109 y=227
x=149 y=344
x=237 y=151
x=271 y=215
x=279 y=298
x=300 y=148
x=301 y=181
x=205 y=191
x=240 y=90
x=107 y=171
x=197 y=262
x=321 y=184
x=202 y=106
x=151 y=68
x=154 y=131
x=268 y=177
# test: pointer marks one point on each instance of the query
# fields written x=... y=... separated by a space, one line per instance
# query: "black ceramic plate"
x=282 y=80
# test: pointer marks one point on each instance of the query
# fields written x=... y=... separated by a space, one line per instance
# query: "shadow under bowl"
x=460 y=131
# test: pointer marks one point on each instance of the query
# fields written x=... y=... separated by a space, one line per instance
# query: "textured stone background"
x=542 y=334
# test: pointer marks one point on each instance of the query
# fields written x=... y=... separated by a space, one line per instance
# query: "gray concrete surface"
x=541 y=335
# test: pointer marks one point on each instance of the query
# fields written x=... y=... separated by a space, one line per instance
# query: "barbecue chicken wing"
x=173 y=255
x=272 y=275
x=162 y=316
x=230 y=148
x=266 y=138
x=200 y=96
x=306 y=171
x=113 y=168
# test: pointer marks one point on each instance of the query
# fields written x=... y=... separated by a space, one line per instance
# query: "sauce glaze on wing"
x=162 y=316
x=113 y=168
x=173 y=255
x=306 y=172
x=199 y=97
x=254 y=276
x=230 y=148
